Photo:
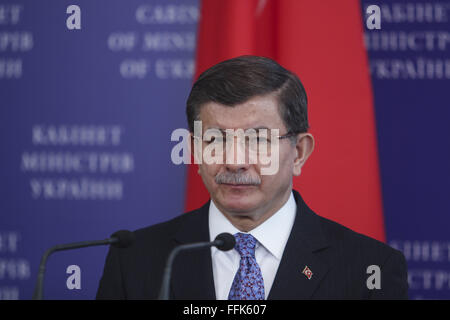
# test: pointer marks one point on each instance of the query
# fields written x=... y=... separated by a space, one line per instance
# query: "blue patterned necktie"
x=248 y=283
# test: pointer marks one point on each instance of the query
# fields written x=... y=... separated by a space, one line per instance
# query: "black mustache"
x=236 y=178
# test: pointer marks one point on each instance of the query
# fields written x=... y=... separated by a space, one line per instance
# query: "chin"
x=239 y=203
x=240 y=209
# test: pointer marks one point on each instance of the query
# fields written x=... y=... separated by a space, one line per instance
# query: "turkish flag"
x=322 y=42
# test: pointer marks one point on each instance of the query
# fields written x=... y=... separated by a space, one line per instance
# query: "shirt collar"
x=272 y=233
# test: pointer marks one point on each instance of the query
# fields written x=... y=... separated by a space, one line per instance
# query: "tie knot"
x=245 y=244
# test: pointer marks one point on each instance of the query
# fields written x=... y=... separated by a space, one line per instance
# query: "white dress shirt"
x=272 y=236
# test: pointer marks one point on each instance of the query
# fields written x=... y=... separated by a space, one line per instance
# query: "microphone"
x=119 y=239
x=224 y=242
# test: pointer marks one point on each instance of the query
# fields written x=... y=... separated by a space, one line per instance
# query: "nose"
x=233 y=167
x=236 y=158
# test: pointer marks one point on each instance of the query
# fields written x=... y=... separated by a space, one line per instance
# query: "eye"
x=215 y=139
x=255 y=141
x=252 y=139
x=263 y=140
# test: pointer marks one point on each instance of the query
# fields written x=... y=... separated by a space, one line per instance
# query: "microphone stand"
x=38 y=291
x=164 y=293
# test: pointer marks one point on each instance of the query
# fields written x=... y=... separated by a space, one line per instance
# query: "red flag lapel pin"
x=307 y=272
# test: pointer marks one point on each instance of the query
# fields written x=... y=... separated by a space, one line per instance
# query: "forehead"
x=259 y=111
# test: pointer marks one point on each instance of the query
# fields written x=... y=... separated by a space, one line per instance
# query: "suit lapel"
x=305 y=240
x=192 y=276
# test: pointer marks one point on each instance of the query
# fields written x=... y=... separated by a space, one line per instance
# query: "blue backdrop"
x=86 y=117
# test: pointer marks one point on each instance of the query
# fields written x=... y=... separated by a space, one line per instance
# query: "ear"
x=191 y=145
x=304 y=147
x=191 y=150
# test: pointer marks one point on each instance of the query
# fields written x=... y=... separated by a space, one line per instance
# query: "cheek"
x=208 y=173
x=285 y=168
x=287 y=159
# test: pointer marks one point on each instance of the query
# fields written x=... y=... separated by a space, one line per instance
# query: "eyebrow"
x=224 y=130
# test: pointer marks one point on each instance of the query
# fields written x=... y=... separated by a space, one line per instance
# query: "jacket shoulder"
x=346 y=239
x=165 y=230
x=135 y=272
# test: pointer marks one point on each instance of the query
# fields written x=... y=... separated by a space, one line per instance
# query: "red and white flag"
x=307 y=272
x=322 y=42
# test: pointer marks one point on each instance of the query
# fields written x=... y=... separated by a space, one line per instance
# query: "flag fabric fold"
x=322 y=42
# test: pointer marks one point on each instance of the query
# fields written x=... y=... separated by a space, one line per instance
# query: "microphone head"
x=124 y=238
x=225 y=241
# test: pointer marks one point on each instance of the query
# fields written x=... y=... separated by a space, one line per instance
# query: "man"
x=283 y=250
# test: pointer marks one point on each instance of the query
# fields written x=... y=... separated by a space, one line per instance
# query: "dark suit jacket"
x=338 y=258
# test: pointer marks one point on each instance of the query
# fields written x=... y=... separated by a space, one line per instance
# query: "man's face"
x=248 y=200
